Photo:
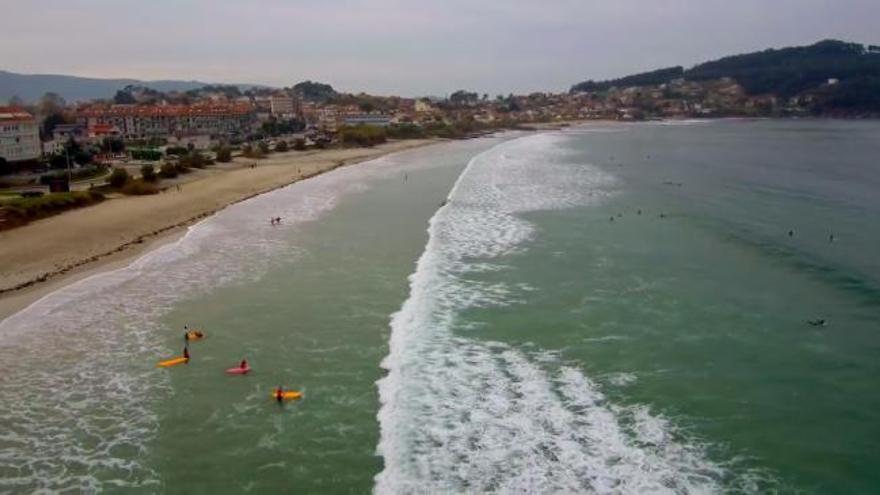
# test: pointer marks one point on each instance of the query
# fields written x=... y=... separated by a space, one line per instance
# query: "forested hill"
x=784 y=72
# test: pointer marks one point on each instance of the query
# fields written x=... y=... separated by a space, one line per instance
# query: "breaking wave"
x=461 y=414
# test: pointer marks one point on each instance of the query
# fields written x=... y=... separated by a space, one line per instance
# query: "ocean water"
x=603 y=309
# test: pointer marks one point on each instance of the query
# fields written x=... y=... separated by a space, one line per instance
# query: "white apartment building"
x=139 y=122
x=19 y=135
x=281 y=105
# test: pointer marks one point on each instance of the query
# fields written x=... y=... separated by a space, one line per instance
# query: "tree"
x=51 y=103
x=82 y=157
x=113 y=145
x=148 y=173
x=314 y=91
x=50 y=122
x=462 y=97
x=118 y=177
x=123 y=97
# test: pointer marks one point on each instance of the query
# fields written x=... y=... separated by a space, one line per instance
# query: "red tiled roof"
x=15 y=114
x=165 y=110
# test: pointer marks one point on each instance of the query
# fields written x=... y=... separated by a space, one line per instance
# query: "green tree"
x=123 y=97
x=113 y=145
x=51 y=103
x=51 y=121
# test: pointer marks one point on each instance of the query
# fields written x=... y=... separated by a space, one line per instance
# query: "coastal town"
x=313 y=114
x=142 y=141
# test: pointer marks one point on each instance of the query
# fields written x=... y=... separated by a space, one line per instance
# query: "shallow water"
x=534 y=343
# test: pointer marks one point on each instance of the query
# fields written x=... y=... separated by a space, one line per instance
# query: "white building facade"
x=19 y=135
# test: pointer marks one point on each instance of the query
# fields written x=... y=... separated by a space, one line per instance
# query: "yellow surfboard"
x=172 y=362
x=288 y=395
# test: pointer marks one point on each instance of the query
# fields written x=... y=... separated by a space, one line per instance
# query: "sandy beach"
x=44 y=255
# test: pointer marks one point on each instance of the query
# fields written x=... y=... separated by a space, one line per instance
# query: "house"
x=19 y=135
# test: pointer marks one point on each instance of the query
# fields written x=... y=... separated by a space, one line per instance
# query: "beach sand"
x=44 y=255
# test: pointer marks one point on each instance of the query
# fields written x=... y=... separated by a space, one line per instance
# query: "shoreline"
x=40 y=277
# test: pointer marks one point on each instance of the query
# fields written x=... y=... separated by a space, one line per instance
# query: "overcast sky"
x=408 y=47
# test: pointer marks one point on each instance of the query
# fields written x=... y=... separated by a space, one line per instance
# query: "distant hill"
x=30 y=87
x=784 y=72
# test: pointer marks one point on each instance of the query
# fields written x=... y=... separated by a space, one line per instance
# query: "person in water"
x=279 y=394
x=186 y=353
x=244 y=364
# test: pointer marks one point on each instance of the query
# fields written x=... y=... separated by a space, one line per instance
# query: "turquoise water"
x=609 y=309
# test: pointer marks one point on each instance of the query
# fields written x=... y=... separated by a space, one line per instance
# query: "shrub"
x=193 y=160
x=82 y=157
x=362 y=135
x=75 y=174
x=148 y=173
x=299 y=144
x=176 y=150
x=264 y=148
x=281 y=146
x=405 y=131
x=19 y=211
x=149 y=155
x=168 y=170
x=118 y=178
x=249 y=152
x=139 y=188
x=224 y=154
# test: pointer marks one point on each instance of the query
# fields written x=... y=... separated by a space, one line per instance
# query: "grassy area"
x=18 y=211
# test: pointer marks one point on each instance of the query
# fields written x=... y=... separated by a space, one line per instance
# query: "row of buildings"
x=214 y=116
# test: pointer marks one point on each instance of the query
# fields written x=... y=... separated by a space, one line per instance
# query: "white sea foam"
x=459 y=414
x=79 y=384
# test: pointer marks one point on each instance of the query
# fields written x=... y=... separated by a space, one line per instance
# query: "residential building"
x=146 y=121
x=19 y=135
x=281 y=105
